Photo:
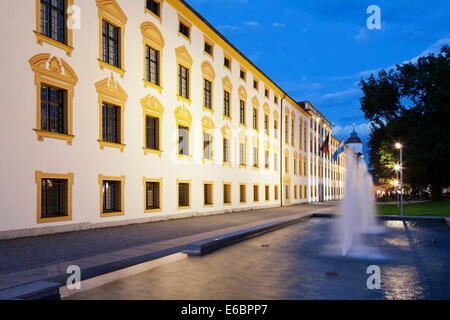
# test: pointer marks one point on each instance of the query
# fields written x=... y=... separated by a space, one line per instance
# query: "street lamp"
x=397 y=168
x=399 y=146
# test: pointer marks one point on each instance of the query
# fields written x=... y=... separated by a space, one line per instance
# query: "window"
x=286 y=130
x=111 y=124
x=255 y=193
x=54 y=200
x=275 y=128
x=53 y=20
x=305 y=191
x=242 y=113
x=255 y=84
x=295 y=165
x=226 y=104
x=207 y=146
x=292 y=132
x=208 y=194
x=152 y=195
x=184 y=30
x=183 y=140
x=242 y=74
x=111 y=43
x=227 y=193
x=275 y=193
x=300 y=195
x=267 y=192
x=266 y=124
x=242 y=154
x=266 y=159
x=286 y=164
x=275 y=161
x=208 y=47
x=226 y=151
x=255 y=118
x=183 y=82
x=242 y=193
x=295 y=191
x=154 y=7
x=207 y=94
x=53 y=110
x=184 y=194
x=111 y=195
x=152 y=65
x=287 y=192
x=255 y=157
x=227 y=63
x=275 y=99
x=152 y=133
x=266 y=93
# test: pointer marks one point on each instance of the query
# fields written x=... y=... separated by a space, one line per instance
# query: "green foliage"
x=411 y=104
x=430 y=209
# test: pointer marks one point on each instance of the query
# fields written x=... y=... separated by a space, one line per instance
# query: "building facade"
x=124 y=111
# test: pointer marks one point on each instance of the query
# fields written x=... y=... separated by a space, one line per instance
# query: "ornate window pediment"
x=226 y=83
x=207 y=123
x=242 y=137
x=266 y=145
x=208 y=70
x=110 y=88
x=255 y=141
x=183 y=56
x=242 y=93
x=152 y=104
x=255 y=102
x=266 y=108
x=111 y=8
x=152 y=35
x=56 y=69
x=183 y=115
x=226 y=131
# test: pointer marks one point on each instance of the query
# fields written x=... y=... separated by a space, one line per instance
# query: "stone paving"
x=29 y=253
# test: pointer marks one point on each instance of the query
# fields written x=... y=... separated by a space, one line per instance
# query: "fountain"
x=357 y=211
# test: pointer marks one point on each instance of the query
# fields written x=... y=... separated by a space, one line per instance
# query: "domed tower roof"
x=353 y=137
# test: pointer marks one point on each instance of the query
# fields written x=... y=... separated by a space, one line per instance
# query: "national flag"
x=325 y=144
x=338 y=151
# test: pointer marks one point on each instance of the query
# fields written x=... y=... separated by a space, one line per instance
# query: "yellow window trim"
x=209 y=75
x=188 y=24
x=245 y=74
x=227 y=134
x=231 y=193
x=268 y=188
x=276 y=192
x=208 y=127
x=189 y=182
x=212 y=193
x=39 y=175
x=226 y=55
x=57 y=73
x=102 y=178
x=161 y=2
x=183 y=118
x=144 y=182
x=184 y=59
x=40 y=38
x=151 y=106
x=152 y=37
x=109 y=91
x=111 y=12
x=211 y=44
x=255 y=185
x=245 y=193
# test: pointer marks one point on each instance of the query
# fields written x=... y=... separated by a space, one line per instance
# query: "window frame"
x=152 y=107
x=209 y=183
x=257 y=198
x=227 y=184
x=144 y=182
x=147 y=10
x=244 y=185
x=183 y=21
x=121 y=179
x=188 y=182
x=67 y=46
x=39 y=176
x=267 y=193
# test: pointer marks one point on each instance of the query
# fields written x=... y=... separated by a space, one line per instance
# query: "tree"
x=411 y=104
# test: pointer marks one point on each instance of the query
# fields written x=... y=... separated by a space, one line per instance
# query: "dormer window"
x=154 y=7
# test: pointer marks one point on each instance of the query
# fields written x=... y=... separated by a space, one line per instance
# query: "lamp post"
x=400 y=147
x=397 y=169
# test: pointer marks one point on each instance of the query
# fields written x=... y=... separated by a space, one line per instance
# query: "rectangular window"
x=227 y=193
x=255 y=119
x=255 y=157
x=53 y=115
x=275 y=193
x=292 y=132
x=152 y=65
x=255 y=193
x=286 y=130
x=275 y=161
x=111 y=124
x=226 y=150
x=154 y=7
x=266 y=159
x=227 y=62
x=275 y=128
x=226 y=104
x=152 y=133
x=183 y=140
x=183 y=195
x=184 y=30
x=287 y=192
x=242 y=112
x=208 y=194
x=208 y=48
x=54 y=198
x=275 y=99
x=295 y=191
x=242 y=193
x=242 y=74
x=111 y=44
x=267 y=193
x=255 y=84
x=266 y=93
x=286 y=164
x=266 y=124
x=207 y=94
x=207 y=146
x=242 y=154
x=53 y=19
x=183 y=82
x=152 y=195
x=112 y=196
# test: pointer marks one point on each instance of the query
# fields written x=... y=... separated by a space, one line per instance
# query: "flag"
x=324 y=147
x=338 y=151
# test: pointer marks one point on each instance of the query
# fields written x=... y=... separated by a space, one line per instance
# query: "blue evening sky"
x=317 y=50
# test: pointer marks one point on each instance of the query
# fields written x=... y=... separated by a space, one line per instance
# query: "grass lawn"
x=430 y=209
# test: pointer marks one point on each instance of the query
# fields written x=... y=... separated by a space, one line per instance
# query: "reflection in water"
x=289 y=264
